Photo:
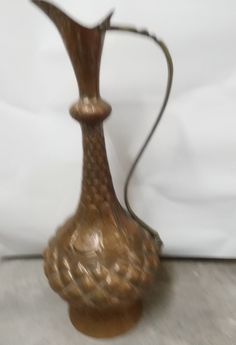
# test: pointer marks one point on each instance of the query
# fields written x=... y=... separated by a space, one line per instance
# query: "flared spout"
x=84 y=46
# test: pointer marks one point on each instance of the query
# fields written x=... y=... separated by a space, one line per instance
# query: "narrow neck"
x=97 y=186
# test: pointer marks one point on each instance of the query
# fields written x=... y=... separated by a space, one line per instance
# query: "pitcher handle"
x=167 y=55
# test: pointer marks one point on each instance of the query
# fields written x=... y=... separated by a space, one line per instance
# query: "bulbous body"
x=103 y=262
x=101 y=257
x=100 y=260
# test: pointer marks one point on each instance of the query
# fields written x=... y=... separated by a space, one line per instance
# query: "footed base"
x=106 y=324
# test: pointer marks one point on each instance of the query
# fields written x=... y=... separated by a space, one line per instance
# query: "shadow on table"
x=160 y=295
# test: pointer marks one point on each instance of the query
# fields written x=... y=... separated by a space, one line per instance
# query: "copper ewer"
x=102 y=260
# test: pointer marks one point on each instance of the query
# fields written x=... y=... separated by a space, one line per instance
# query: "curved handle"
x=166 y=52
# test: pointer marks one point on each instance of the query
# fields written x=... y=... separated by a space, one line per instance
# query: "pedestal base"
x=107 y=324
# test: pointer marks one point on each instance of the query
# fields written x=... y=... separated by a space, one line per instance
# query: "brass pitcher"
x=102 y=260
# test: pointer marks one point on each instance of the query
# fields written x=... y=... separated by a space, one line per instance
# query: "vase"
x=101 y=261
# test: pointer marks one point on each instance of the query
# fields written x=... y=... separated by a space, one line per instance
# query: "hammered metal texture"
x=101 y=257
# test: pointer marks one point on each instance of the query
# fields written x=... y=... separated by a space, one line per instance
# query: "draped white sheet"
x=185 y=185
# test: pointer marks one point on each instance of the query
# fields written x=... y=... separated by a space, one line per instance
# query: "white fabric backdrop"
x=186 y=184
